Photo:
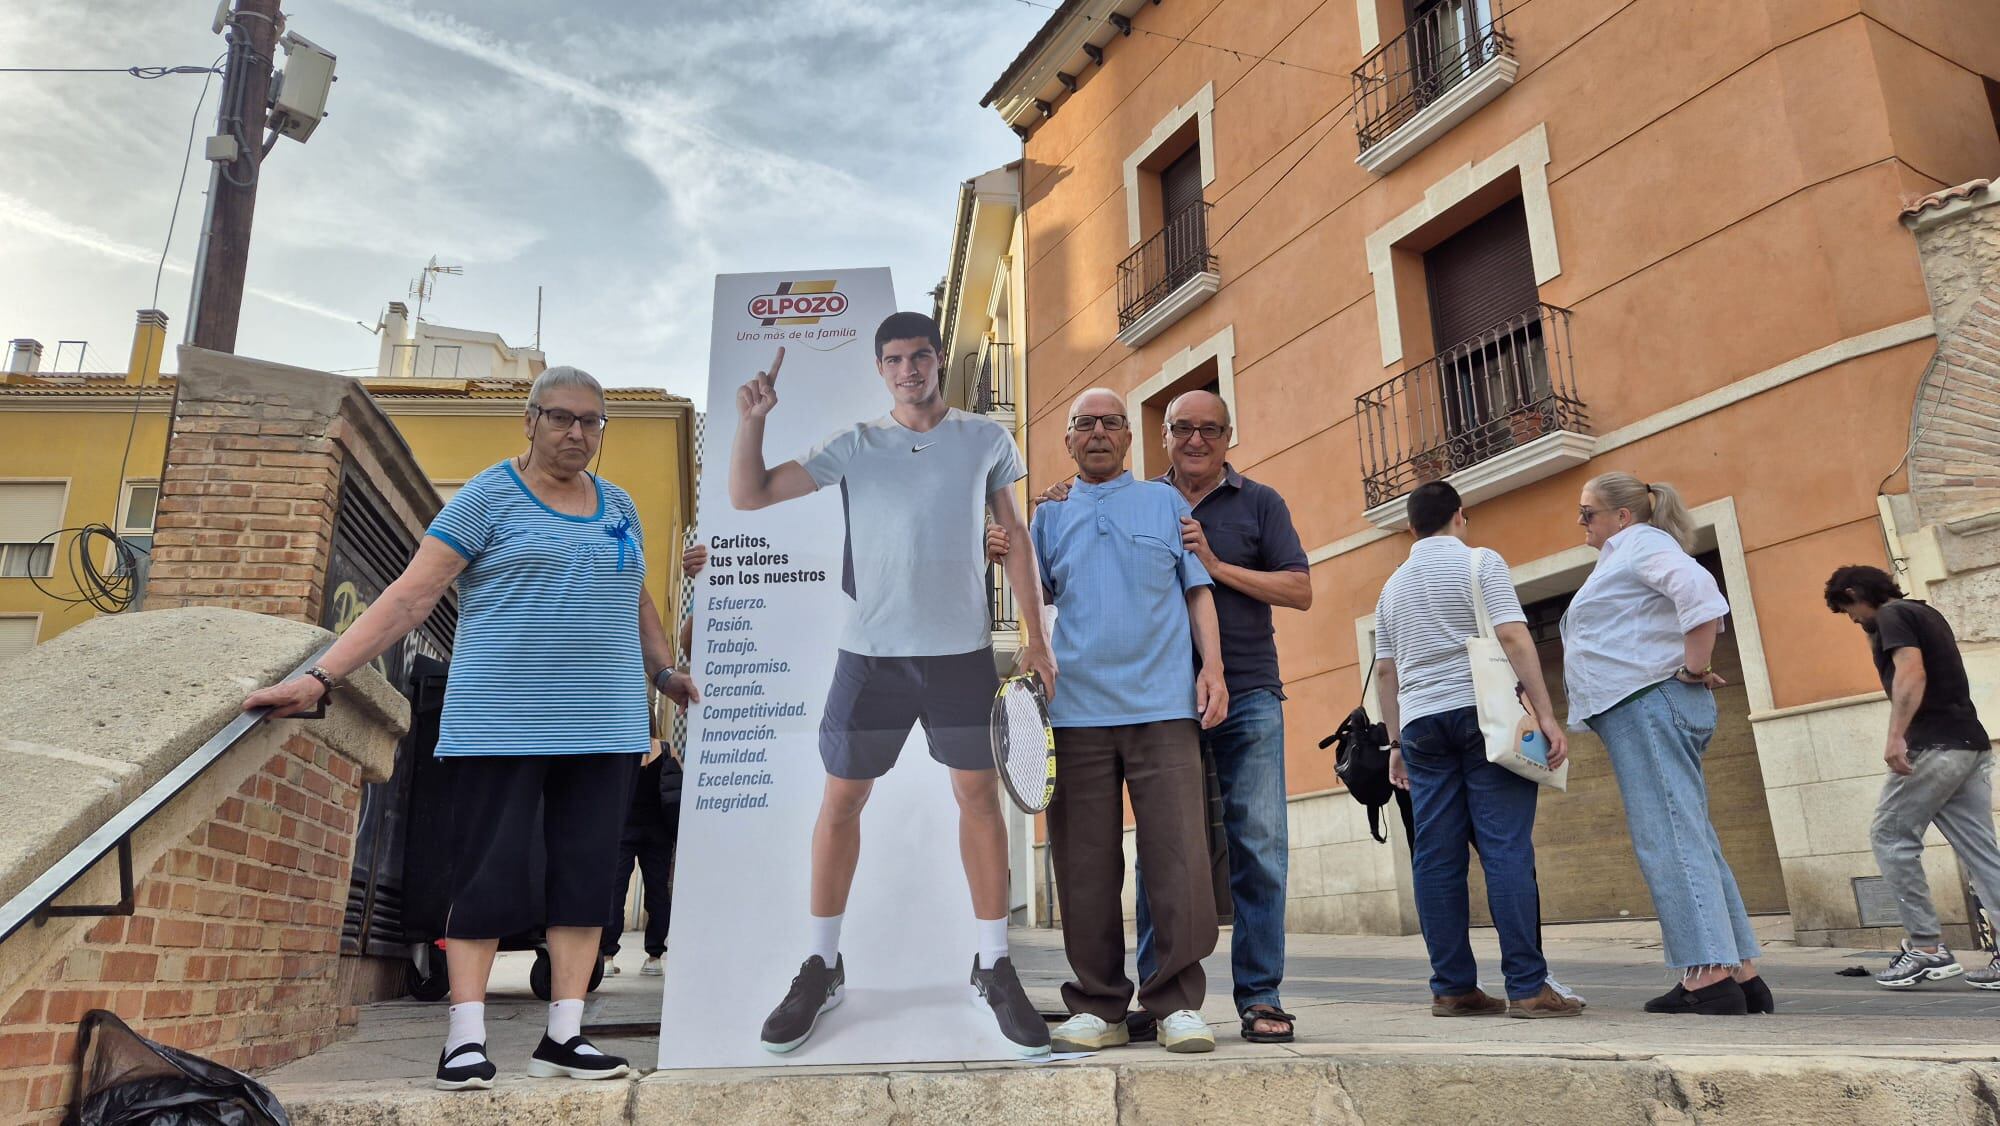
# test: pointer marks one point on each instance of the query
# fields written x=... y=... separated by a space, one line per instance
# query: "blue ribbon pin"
x=622 y=532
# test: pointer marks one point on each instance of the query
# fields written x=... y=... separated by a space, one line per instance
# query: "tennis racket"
x=1024 y=745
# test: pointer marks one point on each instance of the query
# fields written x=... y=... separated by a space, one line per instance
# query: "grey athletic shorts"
x=874 y=701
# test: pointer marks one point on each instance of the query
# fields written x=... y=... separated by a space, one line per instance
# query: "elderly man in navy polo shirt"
x=1242 y=533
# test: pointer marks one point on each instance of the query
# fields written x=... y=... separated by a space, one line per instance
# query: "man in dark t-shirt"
x=1939 y=768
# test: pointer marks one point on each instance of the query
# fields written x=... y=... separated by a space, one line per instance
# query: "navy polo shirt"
x=1248 y=526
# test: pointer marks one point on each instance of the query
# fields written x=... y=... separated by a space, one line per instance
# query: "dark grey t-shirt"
x=1946 y=717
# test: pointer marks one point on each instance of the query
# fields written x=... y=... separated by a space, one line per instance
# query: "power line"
x=135 y=71
x=180 y=187
x=1135 y=29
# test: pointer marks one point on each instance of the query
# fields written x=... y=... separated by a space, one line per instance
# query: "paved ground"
x=1355 y=996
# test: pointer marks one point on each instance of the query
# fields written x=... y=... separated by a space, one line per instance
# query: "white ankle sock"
x=566 y=1024
x=468 y=1026
x=992 y=941
x=826 y=938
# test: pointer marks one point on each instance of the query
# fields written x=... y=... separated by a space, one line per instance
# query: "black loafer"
x=1757 y=996
x=555 y=1061
x=465 y=1076
x=1724 y=998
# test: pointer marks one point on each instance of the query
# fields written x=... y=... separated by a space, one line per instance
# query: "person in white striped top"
x=1460 y=799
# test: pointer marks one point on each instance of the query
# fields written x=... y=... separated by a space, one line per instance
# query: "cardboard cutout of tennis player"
x=915 y=486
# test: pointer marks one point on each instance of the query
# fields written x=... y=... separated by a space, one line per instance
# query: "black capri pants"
x=496 y=798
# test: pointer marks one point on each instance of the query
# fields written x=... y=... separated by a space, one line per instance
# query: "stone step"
x=1354 y=1088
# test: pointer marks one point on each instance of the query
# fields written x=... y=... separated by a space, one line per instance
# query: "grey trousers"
x=1954 y=789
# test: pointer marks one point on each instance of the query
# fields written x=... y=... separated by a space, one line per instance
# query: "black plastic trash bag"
x=125 y=1079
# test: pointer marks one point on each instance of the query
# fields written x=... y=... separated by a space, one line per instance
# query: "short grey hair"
x=565 y=376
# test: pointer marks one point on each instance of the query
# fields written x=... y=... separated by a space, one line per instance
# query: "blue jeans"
x=1249 y=753
x=1460 y=801
x=1655 y=742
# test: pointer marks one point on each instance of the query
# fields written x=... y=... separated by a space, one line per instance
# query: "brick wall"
x=246 y=508
x=232 y=951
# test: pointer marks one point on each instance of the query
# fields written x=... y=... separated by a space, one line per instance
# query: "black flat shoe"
x=1757 y=996
x=465 y=1076
x=554 y=1061
x=1723 y=999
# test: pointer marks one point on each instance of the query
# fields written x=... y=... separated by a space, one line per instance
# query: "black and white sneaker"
x=565 y=1060
x=468 y=1076
x=1914 y=967
x=1000 y=989
x=815 y=990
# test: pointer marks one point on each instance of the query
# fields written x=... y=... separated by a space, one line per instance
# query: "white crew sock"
x=826 y=939
x=992 y=941
x=566 y=1024
x=468 y=1026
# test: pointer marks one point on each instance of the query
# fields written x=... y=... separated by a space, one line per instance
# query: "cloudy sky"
x=618 y=153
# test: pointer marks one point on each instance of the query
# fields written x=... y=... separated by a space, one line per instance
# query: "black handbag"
x=1362 y=760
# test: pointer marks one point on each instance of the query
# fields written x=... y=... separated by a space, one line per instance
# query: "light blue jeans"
x=1656 y=742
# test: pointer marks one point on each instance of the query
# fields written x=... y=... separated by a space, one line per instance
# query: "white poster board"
x=768 y=615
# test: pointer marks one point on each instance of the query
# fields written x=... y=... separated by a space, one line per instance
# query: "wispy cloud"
x=24 y=216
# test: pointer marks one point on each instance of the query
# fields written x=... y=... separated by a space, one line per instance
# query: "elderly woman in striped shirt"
x=1636 y=646
x=546 y=708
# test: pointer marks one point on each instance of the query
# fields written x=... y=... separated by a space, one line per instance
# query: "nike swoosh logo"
x=922 y=448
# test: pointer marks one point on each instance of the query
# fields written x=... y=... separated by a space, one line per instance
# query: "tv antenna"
x=426 y=283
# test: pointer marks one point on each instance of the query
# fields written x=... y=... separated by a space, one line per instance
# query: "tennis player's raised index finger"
x=771 y=377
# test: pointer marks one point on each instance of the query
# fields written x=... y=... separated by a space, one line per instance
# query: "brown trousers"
x=1160 y=763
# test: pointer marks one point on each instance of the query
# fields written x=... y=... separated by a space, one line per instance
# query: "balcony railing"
x=1176 y=255
x=1503 y=388
x=995 y=392
x=1000 y=600
x=1441 y=48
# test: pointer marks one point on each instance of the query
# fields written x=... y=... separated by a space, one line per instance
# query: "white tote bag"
x=1513 y=741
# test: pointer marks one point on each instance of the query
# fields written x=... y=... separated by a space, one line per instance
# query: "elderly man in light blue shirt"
x=1132 y=707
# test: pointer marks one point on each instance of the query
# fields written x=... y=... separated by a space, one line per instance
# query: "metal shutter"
x=1481 y=276
x=1180 y=183
x=30 y=511
x=17 y=636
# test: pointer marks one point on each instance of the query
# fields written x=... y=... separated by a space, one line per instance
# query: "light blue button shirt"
x=1113 y=566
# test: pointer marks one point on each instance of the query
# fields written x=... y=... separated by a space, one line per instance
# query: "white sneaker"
x=610 y=967
x=1185 y=1031
x=1563 y=990
x=1086 y=1033
x=652 y=968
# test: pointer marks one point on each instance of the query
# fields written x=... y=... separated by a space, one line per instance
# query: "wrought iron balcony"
x=1440 y=49
x=1177 y=255
x=1000 y=599
x=995 y=390
x=1500 y=390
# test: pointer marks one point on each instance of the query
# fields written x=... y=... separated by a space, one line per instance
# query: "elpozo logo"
x=799 y=303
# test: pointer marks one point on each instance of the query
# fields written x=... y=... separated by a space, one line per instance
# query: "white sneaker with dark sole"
x=1185 y=1031
x=1085 y=1033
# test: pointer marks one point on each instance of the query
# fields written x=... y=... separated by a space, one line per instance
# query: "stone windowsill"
x=1440 y=117
x=1176 y=305
x=1525 y=464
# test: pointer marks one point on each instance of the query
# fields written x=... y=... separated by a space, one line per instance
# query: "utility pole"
x=224 y=256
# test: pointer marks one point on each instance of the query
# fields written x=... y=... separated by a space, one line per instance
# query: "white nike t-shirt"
x=916 y=530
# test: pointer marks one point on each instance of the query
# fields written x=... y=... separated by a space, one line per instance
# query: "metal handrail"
x=34 y=901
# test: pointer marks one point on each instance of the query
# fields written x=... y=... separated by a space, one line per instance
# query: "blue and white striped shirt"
x=547 y=659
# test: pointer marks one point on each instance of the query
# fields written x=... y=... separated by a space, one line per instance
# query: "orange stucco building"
x=1514 y=245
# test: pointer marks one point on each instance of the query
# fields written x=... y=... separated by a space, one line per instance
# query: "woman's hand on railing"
x=299 y=694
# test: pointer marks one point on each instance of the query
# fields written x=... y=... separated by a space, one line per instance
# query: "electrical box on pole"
x=298 y=95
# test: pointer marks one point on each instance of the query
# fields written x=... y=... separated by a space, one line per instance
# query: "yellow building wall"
x=83 y=447
x=640 y=455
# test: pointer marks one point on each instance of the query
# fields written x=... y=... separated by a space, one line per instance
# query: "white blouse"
x=1626 y=628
